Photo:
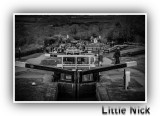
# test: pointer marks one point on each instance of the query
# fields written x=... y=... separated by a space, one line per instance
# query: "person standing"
x=117 y=55
x=100 y=59
x=19 y=53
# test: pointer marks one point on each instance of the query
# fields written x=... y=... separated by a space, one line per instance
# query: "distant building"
x=95 y=39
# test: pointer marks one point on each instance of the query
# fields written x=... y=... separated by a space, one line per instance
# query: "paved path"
x=117 y=74
x=106 y=61
x=36 y=60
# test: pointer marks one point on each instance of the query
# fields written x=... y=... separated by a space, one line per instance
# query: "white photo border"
x=114 y=102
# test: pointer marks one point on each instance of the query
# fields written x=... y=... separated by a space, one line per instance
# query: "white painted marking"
x=59 y=65
x=20 y=64
x=132 y=63
x=73 y=69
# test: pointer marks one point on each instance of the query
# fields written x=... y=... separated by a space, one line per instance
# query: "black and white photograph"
x=80 y=57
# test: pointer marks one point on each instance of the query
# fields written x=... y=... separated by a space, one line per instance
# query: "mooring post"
x=126 y=79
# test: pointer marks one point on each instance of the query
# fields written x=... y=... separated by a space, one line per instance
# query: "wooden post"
x=89 y=62
x=75 y=62
x=62 y=62
x=80 y=76
x=98 y=57
x=96 y=77
x=124 y=78
x=76 y=84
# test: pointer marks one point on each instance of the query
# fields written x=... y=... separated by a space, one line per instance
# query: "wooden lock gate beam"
x=41 y=67
x=95 y=70
x=107 y=68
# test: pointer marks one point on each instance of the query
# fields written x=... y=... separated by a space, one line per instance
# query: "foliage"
x=120 y=29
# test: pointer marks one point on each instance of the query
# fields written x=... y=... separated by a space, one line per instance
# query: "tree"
x=74 y=29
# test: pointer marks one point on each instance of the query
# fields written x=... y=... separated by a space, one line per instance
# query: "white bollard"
x=127 y=79
x=47 y=55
